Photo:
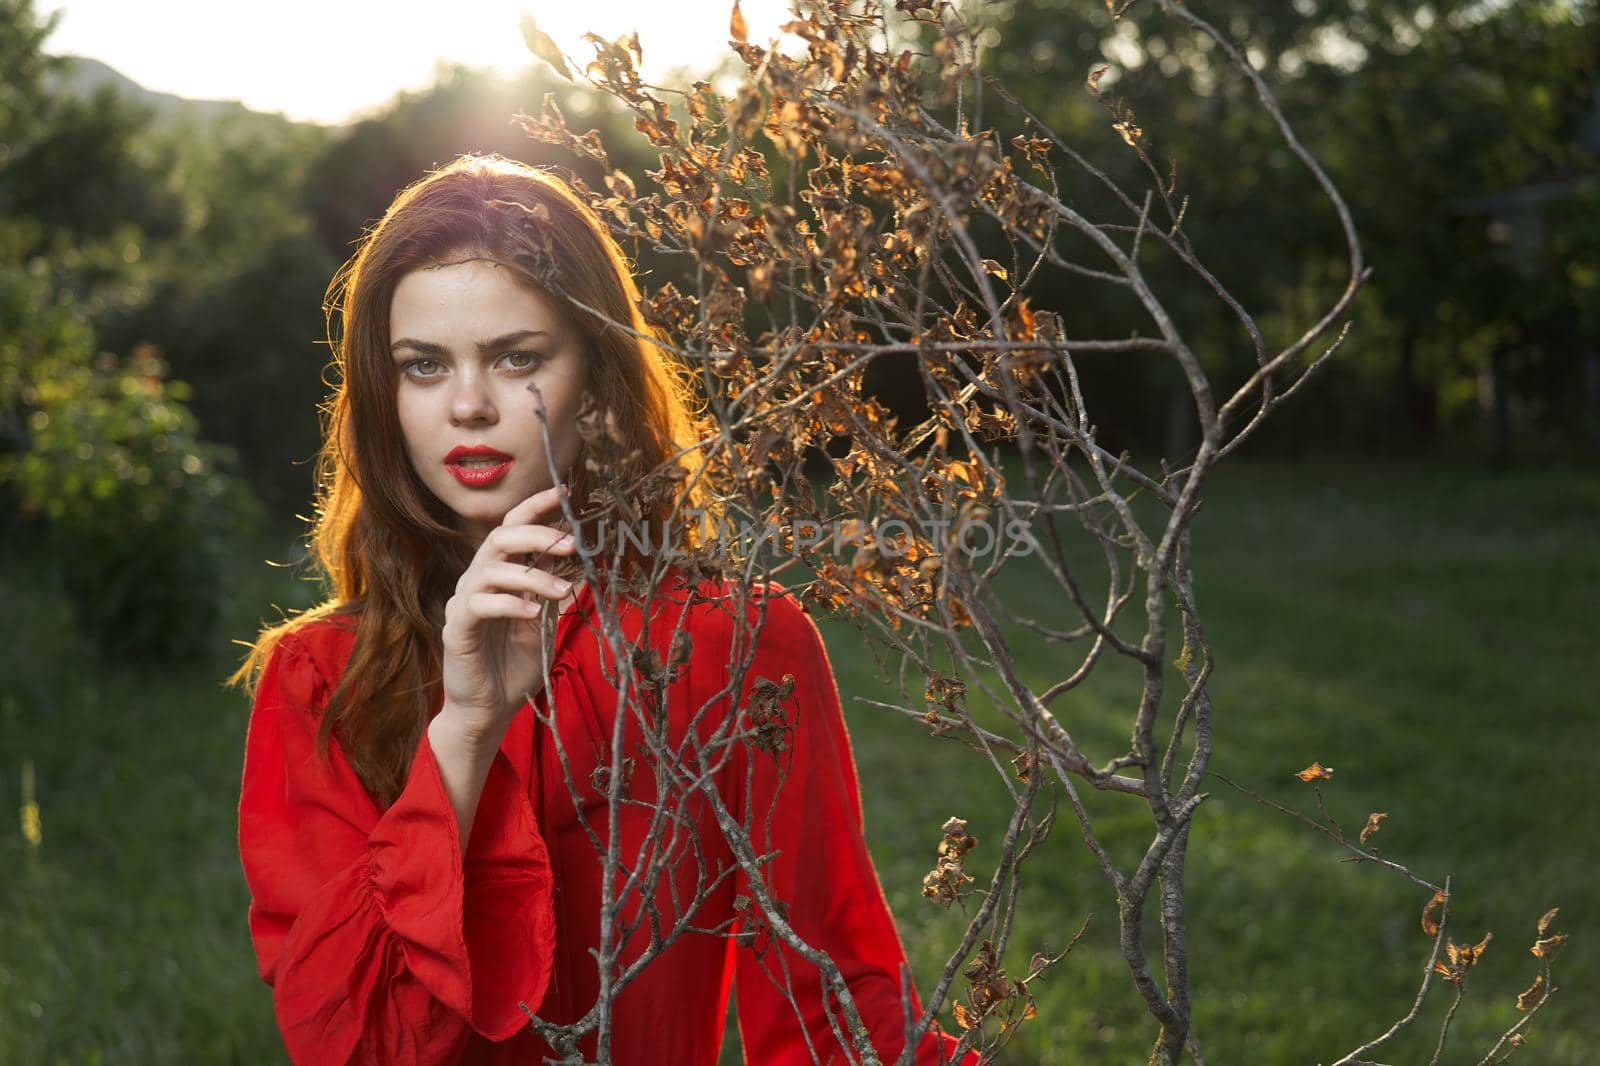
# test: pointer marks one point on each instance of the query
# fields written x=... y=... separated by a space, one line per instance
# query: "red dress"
x=385 y=944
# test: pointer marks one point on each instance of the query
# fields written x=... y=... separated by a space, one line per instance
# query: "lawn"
x=1427 y=632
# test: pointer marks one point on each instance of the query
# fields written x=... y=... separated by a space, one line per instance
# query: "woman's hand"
x=493 y=641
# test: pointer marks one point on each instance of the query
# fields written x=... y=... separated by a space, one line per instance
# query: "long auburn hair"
x=389 y=549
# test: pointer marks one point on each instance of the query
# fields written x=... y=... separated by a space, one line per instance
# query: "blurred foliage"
x=100 y=458
x=234 y=296
x=137 y=511
x=1462 y=135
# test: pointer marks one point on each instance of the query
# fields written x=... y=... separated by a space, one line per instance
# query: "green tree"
x=235 y=296
x=112 y=473
x=1419 y=109
x=100 y=458
x=1471 y=144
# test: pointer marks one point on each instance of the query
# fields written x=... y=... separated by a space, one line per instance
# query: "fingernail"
x=563 y=586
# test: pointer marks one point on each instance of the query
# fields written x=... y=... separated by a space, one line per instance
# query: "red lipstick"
x=478 y=466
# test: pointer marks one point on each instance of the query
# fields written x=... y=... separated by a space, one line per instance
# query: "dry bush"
x=892 y=234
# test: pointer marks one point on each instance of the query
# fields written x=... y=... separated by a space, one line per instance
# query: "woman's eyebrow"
x=429 y=348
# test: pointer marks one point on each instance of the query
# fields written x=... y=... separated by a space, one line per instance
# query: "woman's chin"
x=478 y=524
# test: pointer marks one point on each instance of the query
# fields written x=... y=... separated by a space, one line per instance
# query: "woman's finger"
x=514 y=577
x=506 y=540
x=481 y=606
x=537 y=504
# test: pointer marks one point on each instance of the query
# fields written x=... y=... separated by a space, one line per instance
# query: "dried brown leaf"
x=1315 y=772
x=1547 y=946
x=1429 y=924
x=1025 y=762
x=1464 y=957
x=1529 y=999
x=1373 y=822
x=540 y=44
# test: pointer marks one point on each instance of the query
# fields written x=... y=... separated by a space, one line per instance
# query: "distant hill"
x=83 y=76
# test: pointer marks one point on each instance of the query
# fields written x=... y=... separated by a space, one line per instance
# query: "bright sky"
x=324 y=61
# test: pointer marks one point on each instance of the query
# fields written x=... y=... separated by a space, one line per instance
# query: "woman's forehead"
x=471 y=300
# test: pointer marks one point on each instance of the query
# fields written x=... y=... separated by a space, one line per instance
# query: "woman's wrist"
x=468 y=729
x=464 y=756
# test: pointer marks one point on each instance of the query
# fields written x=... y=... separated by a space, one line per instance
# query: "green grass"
x=1428 y=633
x=122 y=937
x=1425 y=632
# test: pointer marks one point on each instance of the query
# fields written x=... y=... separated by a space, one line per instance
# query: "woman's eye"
x=422 y=368
x=522 y=360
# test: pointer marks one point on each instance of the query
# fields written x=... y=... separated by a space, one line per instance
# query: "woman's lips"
x=477 y=467
x=479 y=474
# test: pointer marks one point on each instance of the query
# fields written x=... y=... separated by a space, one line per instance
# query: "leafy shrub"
x=103 y=459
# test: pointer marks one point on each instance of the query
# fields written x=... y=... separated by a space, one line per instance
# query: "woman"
x=430 y=789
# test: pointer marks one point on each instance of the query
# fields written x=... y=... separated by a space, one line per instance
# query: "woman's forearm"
x=464 y=760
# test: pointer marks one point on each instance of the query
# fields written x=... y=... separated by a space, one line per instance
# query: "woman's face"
x=468 y=341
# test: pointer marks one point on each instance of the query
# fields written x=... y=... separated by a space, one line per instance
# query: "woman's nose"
x=470 y=402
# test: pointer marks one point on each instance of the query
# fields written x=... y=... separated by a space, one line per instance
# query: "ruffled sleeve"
x=821 y=869
x=382 y=942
